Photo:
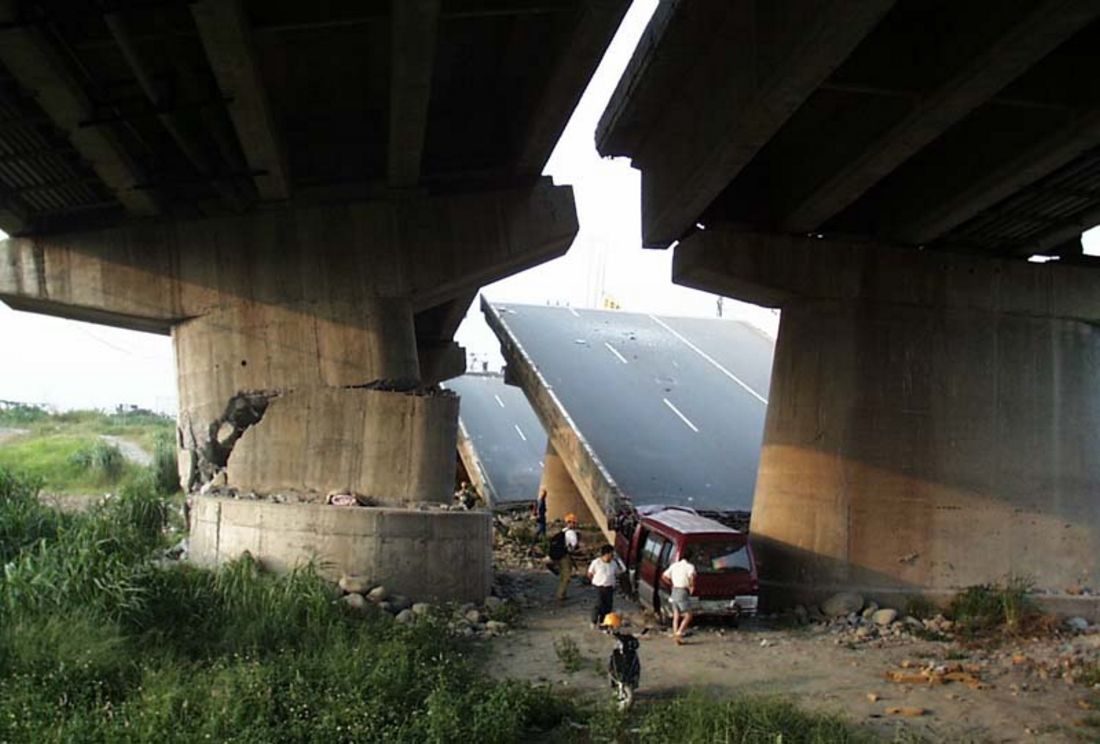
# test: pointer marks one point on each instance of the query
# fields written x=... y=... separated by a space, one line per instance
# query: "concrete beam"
x=431 y=250
x=38 y=69
x=1036 y=35
x=412 y=54
x=576 y=63
x=475 y=239
x=773 y=270
x=601 y=493
x=226 y=36
x=479 y=475
x=706 y=123
x=1045 y=157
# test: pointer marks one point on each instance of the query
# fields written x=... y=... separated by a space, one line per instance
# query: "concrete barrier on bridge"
x=411 y=552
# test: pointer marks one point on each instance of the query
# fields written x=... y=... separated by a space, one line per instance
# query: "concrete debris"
x=884 y=616
x=354 y=584
x=905 y=711
x=354 y=601
x=842 y=604
x=210 y=445
x=1079 y=624
x=378 y=594
x=869 y=610
x=342 y=499
x=421 y=608
x=404 y=617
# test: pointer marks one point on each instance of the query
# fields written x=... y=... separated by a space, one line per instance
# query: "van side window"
x=652 y=548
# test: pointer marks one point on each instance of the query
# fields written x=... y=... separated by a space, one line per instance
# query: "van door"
x=648 y=575
x=664 y=588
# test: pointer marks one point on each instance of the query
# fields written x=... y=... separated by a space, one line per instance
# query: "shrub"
x=164 y=467
x=568 y=654
x=1005 y=605
x=102 y=457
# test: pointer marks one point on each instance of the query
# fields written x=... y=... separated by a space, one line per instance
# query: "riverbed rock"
x=842 y=604
x=884 y=616
x=354 y=601
x=378 y=594
x=354 y=584
x=404 y=617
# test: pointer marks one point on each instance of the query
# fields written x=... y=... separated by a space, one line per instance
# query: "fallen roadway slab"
x=643 y=409
x=500 y=440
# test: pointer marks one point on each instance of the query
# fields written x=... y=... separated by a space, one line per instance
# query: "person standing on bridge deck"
x=540 y=514
x=562 y=547
x=603 y=572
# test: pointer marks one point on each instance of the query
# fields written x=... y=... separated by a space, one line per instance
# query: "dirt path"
x=1020 y=700
x=130 y=450
x=10 y=433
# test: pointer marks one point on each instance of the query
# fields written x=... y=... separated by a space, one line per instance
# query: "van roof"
x=688 y=522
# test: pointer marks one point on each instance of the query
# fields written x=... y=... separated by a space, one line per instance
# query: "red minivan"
x=726 y=583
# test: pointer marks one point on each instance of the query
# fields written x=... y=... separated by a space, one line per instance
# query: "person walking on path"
x=603 y=572
x=562 y=547
x=682 y=575
x=540 y=514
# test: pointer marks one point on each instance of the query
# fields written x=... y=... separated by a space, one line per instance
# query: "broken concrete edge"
x=479 y=476
x=775 y=596
x=562 y=431
x=210 y=450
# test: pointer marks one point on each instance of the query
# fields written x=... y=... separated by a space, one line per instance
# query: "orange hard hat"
x=570 y=517
x=612 y=620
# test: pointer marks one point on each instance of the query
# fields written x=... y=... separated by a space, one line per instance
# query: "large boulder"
x=842 y=604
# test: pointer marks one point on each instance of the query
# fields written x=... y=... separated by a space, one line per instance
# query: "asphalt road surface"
x=506 y=434
x=673 y=407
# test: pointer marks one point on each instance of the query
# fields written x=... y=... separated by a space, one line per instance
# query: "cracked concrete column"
x=311 y=396
x=296 y=333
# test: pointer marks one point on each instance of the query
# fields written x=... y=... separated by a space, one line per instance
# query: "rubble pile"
x=466 y=620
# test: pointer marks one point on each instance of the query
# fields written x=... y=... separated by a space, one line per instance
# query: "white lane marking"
x=683 y=418
x=575 y=313
x=710 y=359
x=499 y=400
x=520 y=432
x=615 y=351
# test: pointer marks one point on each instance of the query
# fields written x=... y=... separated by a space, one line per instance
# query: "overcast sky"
x=78 y=365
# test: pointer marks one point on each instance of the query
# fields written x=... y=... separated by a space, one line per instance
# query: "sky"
x=67 y=364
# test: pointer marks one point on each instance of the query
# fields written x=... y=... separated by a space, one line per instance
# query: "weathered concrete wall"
x=430 y=555
x=393 y=447
x=932 y=418
x=908 y=449
x=562 y=495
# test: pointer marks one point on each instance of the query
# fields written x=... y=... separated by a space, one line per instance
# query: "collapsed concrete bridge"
x=307 y=197
x=881 y=170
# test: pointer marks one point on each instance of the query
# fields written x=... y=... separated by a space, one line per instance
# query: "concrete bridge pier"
x=562 y=495
x=932 y=418
x=308 y=343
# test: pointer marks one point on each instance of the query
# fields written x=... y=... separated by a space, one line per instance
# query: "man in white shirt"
x=603 y=572
x=562 y=547
x=682 y=575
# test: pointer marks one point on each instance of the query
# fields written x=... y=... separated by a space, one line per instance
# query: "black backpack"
x=557 y=546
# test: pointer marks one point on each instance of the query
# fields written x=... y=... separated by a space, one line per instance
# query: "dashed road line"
x=499 y=401
x=615 y=351
x=575 y=313
x=520 y=432
x=710 y=359
x=683 y=418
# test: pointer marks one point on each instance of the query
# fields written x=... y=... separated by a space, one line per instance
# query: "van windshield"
x=719 y=557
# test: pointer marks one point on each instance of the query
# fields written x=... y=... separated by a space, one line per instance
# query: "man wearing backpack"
x=562 y=546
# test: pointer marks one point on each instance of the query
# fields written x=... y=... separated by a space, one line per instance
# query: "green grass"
x=64 y=451
x=1088 y=675
x=1000 y=607
x=100 y=643
x=699 y=718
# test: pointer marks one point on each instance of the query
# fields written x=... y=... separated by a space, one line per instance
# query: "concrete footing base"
x=426 y=555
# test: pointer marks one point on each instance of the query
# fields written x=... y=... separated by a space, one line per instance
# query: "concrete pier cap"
x=309 y=341
x=932 y=418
